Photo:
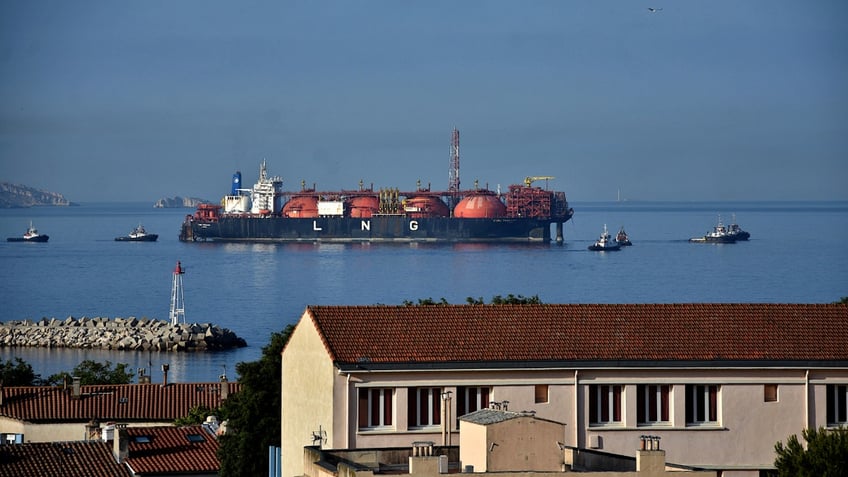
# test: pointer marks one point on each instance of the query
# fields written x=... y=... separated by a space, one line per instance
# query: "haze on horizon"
x=134 y=101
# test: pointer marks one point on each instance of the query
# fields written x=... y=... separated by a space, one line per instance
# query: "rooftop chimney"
x=143 y=377
x=165 y=368
x=225 y=387
x=75 y=389
x=120 y=445
x=649 y=458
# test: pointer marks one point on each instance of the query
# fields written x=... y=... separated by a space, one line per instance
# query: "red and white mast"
x=177 y=314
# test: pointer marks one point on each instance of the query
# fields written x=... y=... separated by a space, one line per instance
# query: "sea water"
x=797 y=254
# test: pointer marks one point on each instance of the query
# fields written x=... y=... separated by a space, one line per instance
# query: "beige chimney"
x=75 y=388
x=120 y=445
x=165 y=368
x=225 y=387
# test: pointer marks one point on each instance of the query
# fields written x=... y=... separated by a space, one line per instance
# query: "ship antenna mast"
x=453 y=175
x=177 y=300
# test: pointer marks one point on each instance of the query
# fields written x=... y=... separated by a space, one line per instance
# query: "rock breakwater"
x=140 y=334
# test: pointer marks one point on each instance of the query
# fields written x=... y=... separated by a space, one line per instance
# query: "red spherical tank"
x=480 y=205
x=364 y=206
x=301 y=207
x=426 y=206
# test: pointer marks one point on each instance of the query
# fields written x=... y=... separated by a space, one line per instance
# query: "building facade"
x=719 y=384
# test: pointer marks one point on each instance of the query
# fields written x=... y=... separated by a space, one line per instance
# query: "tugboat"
x=736 y=231
x=621 y=238
x=719 y=234
x=31 y=235
x=138 y=235
x=605 y=243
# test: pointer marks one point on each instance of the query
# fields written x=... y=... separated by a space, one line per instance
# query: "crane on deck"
x=529 y=180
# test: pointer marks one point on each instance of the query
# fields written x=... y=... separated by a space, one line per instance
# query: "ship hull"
x=388 y=228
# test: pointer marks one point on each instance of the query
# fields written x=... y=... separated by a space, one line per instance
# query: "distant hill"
x=16 y=195
x=176 y=202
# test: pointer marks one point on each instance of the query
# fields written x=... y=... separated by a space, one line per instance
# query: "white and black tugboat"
x=719 y=234
x=31 y=235
x=137 y=235
x=605 y=243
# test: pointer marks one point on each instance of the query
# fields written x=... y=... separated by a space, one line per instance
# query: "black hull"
x=387 y=228
x=712 y=240
x=598 y=248
x=146 y=238
x=39 y=239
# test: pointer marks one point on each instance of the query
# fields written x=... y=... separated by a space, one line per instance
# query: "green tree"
x=18 y=373
x=253 y=414
x=93 y=372
x=826 y=454
x=198 y=415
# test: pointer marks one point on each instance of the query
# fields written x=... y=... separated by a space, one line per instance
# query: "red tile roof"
x=65 y=459
x=169 y=451
x=110 y=402
x=355 y=335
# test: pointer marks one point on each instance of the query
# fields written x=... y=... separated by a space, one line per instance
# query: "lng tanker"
x=267 y=213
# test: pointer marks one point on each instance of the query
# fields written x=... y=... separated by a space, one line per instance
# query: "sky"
x=699 y=101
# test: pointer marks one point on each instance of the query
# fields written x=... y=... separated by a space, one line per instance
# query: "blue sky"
x=704 y=100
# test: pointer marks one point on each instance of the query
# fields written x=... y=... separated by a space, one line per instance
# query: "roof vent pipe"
x=165 y=368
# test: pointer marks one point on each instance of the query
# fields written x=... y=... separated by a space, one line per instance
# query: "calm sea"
x=797 y=254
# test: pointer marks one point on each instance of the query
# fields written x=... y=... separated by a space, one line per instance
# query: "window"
x=541 y=393
x=470 y=399
x=770 y=393
x=375 y=407
x=701 y=404
x=425 y=407
x=604 y=404
x=837 y=404
x=652 y=403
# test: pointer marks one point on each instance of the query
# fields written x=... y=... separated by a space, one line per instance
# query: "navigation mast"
x=177 y=314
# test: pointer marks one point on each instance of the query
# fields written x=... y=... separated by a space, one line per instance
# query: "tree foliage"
x=18 y=373
x=93 y=372
x=253 y=414
x=826 y=454
x=198 y=415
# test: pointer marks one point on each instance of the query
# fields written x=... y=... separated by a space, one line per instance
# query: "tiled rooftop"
x=168 y=450
x=66 y=459
x=111 y=402
x=363 y=335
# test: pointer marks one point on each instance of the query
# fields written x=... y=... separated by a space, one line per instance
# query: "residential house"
x=82 y=412
x=719 y=383
x=131 y=451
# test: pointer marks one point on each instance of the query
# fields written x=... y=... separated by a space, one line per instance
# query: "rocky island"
x=16 y=195
x=179 y=202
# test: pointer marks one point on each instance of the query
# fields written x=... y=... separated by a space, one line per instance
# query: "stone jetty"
x=140 y=334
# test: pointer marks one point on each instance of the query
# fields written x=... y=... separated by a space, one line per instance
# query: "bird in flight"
x=654 y=10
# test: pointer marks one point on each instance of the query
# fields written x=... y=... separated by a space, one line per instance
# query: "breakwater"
x=139 y=334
